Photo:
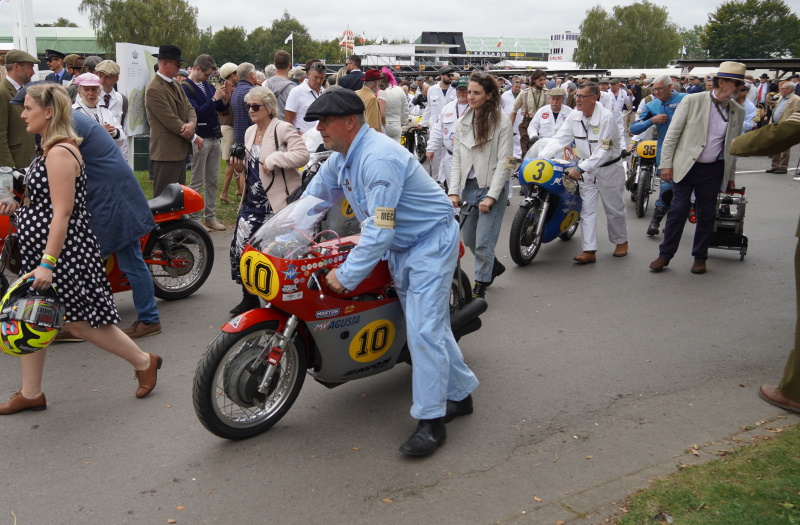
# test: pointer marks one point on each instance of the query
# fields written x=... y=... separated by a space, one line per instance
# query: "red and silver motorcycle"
x=251 y=374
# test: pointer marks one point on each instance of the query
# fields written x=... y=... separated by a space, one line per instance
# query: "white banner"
x=136 y=64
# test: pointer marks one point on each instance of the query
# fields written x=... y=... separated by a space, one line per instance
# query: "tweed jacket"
x=792 y=106
x=686 y=136
x=167 y=110
x=489 y=162
x=290 y=155
x=17 y=146
x=372 y=112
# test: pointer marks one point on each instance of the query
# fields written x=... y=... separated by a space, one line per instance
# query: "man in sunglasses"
x=55 y=61
x=696 y=158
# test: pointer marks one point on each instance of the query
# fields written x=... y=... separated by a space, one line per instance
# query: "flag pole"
x=292 y=48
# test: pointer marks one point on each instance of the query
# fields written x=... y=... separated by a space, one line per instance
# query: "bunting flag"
x=500 y=43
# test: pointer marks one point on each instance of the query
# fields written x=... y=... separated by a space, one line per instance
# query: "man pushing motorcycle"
x=406 y=218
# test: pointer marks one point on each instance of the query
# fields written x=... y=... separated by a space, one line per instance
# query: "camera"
x=238 y=151
x=217 y=132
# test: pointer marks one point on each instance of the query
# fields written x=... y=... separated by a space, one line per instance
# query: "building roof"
x=80 y=40
x=488 y=44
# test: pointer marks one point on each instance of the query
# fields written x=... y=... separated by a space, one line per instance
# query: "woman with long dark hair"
x=482 y=145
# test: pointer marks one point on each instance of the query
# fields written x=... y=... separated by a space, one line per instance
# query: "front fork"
x=272 y=353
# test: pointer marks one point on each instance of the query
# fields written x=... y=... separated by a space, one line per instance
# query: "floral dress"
x=79 y=276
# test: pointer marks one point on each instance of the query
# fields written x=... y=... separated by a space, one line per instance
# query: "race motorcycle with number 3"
x=551 y=209
x=251 y=374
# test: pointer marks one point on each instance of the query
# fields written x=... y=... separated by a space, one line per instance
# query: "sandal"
x=224 y=199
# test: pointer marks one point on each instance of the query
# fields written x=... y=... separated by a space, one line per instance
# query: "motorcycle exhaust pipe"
x=467 y=319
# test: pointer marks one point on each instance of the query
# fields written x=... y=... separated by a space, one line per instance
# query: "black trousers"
x=704 y=180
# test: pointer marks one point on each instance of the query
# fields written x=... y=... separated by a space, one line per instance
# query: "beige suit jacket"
x=168 y=110
x=372 y=113
x=792 y=106
x=686 y=136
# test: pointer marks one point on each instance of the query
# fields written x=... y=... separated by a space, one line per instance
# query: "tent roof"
x=80 y=40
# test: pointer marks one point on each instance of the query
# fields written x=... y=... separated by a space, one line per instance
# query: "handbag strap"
x=283 y=174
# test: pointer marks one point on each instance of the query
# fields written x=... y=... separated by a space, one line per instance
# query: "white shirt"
x=606 y=100
x=596 y=138
x=543 y=124
x=298 y=101
x=715 y=136
x=104 y=116
x=618 y=102
x=507 y=102
x=443 y=128
x=436 y=101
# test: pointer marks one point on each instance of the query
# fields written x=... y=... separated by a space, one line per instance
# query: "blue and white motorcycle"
x=551 y=209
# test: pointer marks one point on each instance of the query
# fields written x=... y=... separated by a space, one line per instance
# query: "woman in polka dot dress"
x=58 y=246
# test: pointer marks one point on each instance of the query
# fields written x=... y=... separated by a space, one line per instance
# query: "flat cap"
x=69 y=60
x=446 y=70
x=420 y=78
x=335 y=101
x=557 y=92
x=107 y=67
x=92 y=61
x=16 y=56
x=183 y=72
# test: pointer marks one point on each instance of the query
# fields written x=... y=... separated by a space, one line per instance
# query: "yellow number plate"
x=647 y=149
x=372 y=341
x=539 y=171
x=259 y=275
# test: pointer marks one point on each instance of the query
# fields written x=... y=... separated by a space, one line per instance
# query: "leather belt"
x=610 y=162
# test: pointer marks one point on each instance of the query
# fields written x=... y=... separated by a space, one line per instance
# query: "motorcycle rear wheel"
x=522 y=244
x=421 y=148
x=225 y=394
x=567 y=235
x=189 y=247
x=643 y=191
x=457 y=300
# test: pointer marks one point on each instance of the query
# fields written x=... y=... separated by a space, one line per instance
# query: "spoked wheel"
x=181 y=260
x=567 y=235
x=421 y=147
x=458 y=298
x=225 y=393
x=643 y=191
x=523 y=242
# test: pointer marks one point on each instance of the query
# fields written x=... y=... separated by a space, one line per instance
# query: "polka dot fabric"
x=79 y=276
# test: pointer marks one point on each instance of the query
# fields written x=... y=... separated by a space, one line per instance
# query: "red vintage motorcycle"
x=179 y=252
x=251 y=374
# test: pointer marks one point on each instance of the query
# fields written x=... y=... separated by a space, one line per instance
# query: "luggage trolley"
x=727 y=234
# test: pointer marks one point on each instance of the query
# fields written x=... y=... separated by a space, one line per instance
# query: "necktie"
x=107 y=98
x=760 y=91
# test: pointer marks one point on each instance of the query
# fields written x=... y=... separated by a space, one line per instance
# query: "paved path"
x=592 y=379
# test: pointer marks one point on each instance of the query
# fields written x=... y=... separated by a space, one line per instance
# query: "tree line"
x=641 y=35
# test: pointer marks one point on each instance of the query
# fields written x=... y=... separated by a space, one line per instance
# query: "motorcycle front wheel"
x=459 y=298
x=421 y=147
x=225 y=395
x=523 y=242
x=643 y=191
x=181 y=260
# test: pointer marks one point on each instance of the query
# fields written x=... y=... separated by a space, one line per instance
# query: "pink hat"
x=88 y=80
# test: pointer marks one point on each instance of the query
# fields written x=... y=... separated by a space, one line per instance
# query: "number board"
x=347 y=210
x=539 y=171
x=647 y=149
x=569 y=220
x=372 y=341
x=259 y=275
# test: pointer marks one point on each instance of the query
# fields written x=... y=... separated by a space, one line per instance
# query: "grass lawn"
x=226 y=213
x=756 y=484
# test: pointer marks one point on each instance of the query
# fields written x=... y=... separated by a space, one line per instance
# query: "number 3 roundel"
x=539 y=171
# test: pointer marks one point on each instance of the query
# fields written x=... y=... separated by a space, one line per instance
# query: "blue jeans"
x=130 y=261
x=481 y=230
x=663 y=188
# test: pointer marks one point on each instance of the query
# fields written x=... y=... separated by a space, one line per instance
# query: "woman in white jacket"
x=482 y=151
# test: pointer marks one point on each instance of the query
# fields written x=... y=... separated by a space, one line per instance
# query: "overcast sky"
x=326 y=19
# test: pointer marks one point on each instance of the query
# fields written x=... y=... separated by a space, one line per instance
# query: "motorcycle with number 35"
x=641 y=181
x=253 y=371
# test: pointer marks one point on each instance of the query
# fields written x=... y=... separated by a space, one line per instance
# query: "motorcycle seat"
x=171 y=199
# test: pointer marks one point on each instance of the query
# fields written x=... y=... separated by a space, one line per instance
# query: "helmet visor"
x=42 y=311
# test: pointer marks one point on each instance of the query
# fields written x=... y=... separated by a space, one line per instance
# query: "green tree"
x=60 y=22
x=751 y=29
x=633 y=36
x=259 y=45
x=229 y=44
x=691 y=42
x=146 y=22
x=204 y=39
x=305 y=47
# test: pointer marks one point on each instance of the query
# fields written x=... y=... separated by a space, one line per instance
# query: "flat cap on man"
x=107 y=67
x=16 y=56
x=420 y=78
x=446 y=70
x=335 y=101
x=92 y=61
x=69 y=60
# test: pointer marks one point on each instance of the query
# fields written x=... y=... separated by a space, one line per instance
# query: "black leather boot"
x=249 y=302
x=458 y=408
x=655 y=223
x=497 y=270
x=429 y=435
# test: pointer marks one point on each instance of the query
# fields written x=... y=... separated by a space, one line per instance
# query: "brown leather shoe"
x=621 y=250
x=65 y=336
x=659 y=264
x=18 y=403
x=148 y=377
x=699 y=266
x=773 y=396
x=585 y=258
x=142 y=329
